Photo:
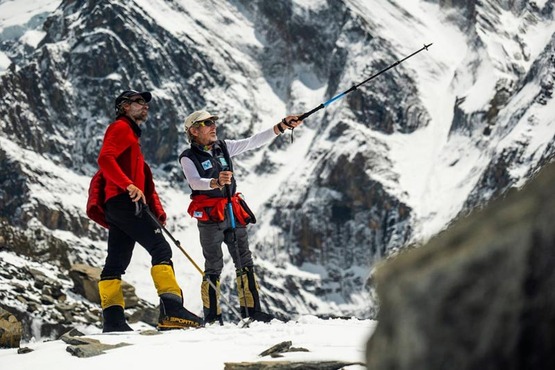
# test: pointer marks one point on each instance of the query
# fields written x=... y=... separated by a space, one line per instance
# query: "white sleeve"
x=236 y=147
x=193 y=177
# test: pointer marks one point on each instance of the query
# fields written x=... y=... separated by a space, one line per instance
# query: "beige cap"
x=198 y=116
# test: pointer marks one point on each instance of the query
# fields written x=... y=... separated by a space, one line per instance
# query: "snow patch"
x=4 y=62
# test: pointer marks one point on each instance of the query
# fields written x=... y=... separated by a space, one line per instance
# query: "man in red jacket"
x=129 y=187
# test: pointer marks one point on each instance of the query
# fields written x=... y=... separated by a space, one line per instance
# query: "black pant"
x=125 y=229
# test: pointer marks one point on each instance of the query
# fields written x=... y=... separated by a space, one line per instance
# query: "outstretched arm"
x=236 y=147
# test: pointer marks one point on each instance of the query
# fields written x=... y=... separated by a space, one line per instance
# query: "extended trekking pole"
x=224 y=166
x=178 y=244
x=354 y=87
x=234 y=241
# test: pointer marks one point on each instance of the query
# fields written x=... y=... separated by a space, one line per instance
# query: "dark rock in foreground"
x=478 y=296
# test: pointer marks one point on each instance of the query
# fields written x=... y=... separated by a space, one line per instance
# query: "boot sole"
x=162 y=327
x=177 y=323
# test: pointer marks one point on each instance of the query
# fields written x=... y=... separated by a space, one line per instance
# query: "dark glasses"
x=206 y=123
x=139 y=101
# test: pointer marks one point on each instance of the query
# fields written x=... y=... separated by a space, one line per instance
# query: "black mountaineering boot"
x=247 y=286
x=112 y=303
x=261 y=316
x=172 y=313
x=174 y=316
x=211 y=300
x=114 y=320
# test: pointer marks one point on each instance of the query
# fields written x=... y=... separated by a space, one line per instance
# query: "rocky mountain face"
x=336 y=216
x=343 y=210
x=506 y=109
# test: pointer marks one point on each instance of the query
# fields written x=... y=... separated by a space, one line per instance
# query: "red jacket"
x=205 y=208
x=121 y=163
x=121 y=159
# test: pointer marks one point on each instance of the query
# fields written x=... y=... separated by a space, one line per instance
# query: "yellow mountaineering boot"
x=247 y=286
x=172 y=313
x=111 y=301
x=211 y=299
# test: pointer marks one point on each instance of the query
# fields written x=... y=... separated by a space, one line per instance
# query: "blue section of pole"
x=334 y=99
x=231 y=216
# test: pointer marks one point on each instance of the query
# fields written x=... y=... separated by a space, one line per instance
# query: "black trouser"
x=125 y=230
x=212 y=235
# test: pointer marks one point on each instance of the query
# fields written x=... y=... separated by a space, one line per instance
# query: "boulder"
x=478 y=296
x=10 y=330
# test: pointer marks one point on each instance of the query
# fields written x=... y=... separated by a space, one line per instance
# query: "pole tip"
x=427 y=46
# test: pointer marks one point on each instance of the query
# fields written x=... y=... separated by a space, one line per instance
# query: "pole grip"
x=305 y=115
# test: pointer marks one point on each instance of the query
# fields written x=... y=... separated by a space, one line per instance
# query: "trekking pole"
x=224 y=166
x=354 y=87
x=235 y=244
x=178 y=244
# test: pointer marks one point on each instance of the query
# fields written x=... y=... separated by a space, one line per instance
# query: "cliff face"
x=60 y=100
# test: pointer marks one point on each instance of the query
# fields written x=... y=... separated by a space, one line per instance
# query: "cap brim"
x=147 y=96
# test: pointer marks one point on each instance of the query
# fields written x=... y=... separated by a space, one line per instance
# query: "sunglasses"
x=140 y=101
x=206 y=123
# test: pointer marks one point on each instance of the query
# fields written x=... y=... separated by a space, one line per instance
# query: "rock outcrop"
x=478 y=296
x=10 y=330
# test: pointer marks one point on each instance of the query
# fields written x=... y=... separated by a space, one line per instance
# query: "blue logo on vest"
x=223 y=162
x=206 y=164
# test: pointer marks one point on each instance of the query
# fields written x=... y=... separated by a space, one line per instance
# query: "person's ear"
x=125 y=106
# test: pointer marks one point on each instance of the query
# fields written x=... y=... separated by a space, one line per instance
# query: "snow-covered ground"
x=435 y=171
x=206 y=348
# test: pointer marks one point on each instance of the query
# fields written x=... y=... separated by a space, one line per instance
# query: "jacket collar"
x=204 y=148
x=134 y=126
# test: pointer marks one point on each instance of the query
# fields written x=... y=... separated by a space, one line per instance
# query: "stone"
x=478 y=296
x=10 y=330
x=289 y=365
x=278 y=348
